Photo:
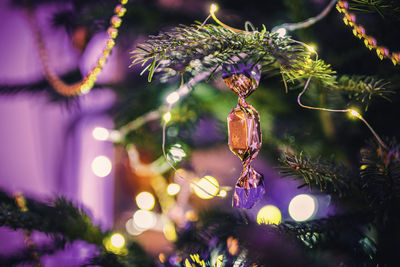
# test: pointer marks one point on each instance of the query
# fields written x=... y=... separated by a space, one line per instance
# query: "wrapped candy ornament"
x=244 y=132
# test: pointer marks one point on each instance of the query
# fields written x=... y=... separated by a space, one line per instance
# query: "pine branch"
x=194 y=49
x=25 y=256
x=327 y=176
x=382 y=7
x=64 y=222
x=380 y=173
x=363 y=89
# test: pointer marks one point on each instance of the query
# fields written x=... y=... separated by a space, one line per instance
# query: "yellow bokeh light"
x=100 y=133
x=269 y=215
x=354 y=113
x=117 y=240
x=213 y=8
x=167 y=116
x=302 y=207
x=173 y=189
x=312 y=48
x=145 y=201
x=101 y=166
x=169 y=231
x=144 y=219
x=207 y=187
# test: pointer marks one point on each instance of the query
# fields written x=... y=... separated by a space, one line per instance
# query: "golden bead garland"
x=359 y=31
x=87 y=83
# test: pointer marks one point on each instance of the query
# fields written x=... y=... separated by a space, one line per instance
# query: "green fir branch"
x=327 y=176
x=380 y=173
x=364 y=89
x=382 y=7
x=195 y=49
x=64 y=222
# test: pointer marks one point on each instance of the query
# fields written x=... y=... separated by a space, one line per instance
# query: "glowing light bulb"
x=173 y=189
x=144 y=219
x=269 y=215
x=222 y=193
x=213 y=8
x=312 y=48
x=101 y=166
x=172 y=98
x=100 y=133
x=354 y=113
x=117 y=240
x=145 y=201
x=167 y=116
x=207 y=187
x=281 y=32
x=302 y=207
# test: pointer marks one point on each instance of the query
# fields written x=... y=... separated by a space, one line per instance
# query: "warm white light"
x=117 y=240
x=269 y=215
x=101 y=166
x=207 y=187
x=145 y=201
x=222 y=193
x=173 y=189
x=172 y=98
x=302 y=207
x=312 y=48
x=131 y=228
x=100 y=133
x=281 y=32
x=354 y=113
x=167 y=116
x=213 y=8
x=144 y=219
x=177 y=152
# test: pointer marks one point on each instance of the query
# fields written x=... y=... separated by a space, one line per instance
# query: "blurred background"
x=52 y=145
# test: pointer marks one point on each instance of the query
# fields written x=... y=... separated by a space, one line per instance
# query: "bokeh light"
x=222 y=193
x=167 y=116
x=100 y=133
x=169 y=231
x=144 y=219
x=117 y=240
x=101 y=166
x=269 y=215
x=173 y=189
x=281 y=32
x=207 y=187
x=145 y=201
x=177 y=153
x=172 y=98
x=131 y=228
x=302 y=207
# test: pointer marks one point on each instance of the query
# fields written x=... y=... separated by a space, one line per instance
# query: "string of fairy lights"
x=302 y=207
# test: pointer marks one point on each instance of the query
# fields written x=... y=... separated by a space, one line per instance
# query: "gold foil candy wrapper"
x=244 y=132
x=241 y=78
x=245 y=142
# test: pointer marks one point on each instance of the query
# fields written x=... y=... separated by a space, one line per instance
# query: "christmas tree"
x=115 y=133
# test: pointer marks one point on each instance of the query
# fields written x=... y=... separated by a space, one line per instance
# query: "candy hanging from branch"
x=244 y=132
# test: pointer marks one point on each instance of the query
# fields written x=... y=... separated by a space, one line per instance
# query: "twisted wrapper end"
x=249 y=189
